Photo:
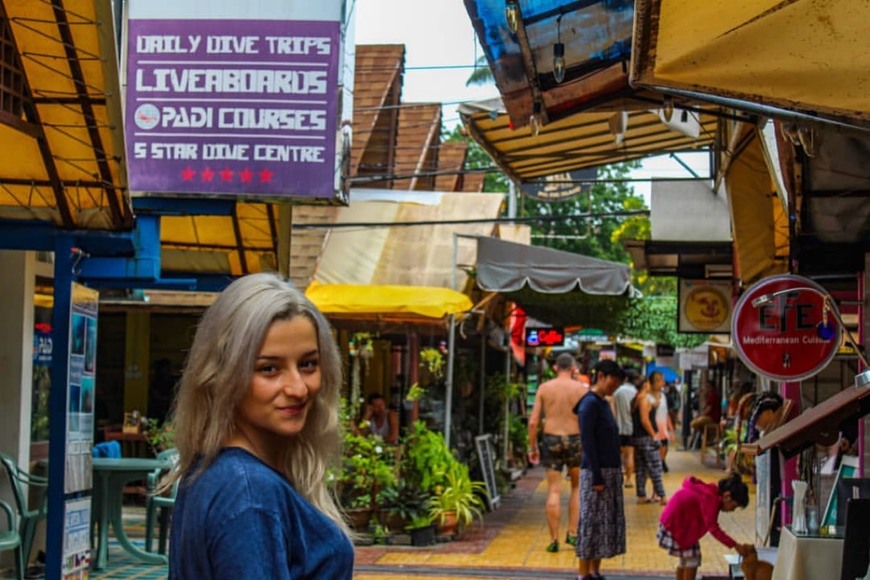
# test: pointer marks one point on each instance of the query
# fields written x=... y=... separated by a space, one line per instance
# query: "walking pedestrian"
x=647 y=460
x=664 y=426
x=622 y=400
x=692 y=512
x=602 y=518
x=560 y=445
x=256 y=423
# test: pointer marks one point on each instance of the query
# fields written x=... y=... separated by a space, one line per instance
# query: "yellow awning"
x=802 y=55
x=427 y=302
x=581 y=140
x=759 y=222
x=61 y=140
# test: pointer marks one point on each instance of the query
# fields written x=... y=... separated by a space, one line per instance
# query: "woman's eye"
x=267 y=369
x=309 y=364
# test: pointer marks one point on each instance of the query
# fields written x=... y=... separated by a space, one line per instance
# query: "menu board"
x=485 y=453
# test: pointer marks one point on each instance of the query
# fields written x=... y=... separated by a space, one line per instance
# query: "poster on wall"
x=80 y=432
x=705 y=306
x=236 y=98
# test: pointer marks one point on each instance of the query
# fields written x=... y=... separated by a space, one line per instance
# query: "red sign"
x=783 y=330
x=545 y=337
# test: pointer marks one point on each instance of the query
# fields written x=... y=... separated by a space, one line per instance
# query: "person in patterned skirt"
x=601 y=532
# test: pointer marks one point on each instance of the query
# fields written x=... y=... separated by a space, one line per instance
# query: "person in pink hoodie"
x=692 y=512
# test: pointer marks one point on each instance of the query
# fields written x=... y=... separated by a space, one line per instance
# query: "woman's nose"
x=294 y=384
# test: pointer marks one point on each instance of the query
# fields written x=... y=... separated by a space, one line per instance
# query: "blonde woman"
x=256 y=422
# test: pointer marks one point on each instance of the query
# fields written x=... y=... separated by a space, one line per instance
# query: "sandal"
x=628 y=485
x=659 y=500
x=571 y=540
x=644 y=500
x=553 y=547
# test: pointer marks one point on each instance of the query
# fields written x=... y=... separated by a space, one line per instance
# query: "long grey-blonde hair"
x=218 y=373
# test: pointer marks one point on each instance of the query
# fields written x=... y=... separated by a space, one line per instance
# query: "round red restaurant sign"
x=782 y=329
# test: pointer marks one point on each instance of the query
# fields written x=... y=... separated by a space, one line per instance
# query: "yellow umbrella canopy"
x=802 y=55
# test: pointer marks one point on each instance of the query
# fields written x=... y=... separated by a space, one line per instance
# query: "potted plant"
x=365 y=469
x=422 y=530
x=426 y=459
x=160 y=435
x=399 y=503
x=459 y=502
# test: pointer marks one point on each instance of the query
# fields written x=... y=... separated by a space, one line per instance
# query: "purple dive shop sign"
x=235 y=107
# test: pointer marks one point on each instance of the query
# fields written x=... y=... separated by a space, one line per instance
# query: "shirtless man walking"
x=560 y=443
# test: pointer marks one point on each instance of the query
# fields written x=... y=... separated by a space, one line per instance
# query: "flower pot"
x=393 y=522
x=424 y=536
x=358 y=519
x=447 y=524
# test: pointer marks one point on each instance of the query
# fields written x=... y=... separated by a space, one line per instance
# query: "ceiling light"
x=512 y=15
x=559 y=53
x=535 y=119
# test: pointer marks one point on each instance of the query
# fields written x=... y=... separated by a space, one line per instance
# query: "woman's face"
x=285 y=382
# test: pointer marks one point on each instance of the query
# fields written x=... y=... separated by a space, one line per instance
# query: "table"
x=132 y=444
x=805 y=557
x=110 y=477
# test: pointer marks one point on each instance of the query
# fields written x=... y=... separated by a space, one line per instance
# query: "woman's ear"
x=726 y=496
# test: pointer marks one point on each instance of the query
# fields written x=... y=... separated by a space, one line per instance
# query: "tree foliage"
x=652 y=317
x=655 y=318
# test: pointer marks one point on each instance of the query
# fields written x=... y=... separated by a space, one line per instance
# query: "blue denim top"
x=242 y=519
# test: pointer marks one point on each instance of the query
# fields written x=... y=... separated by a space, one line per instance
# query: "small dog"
x=755 y=569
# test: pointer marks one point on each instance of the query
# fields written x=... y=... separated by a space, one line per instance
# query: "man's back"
x=622 y=398
x=558 y=399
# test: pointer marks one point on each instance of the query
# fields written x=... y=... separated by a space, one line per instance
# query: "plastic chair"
x=159 y=507
x=710 y=434
x=10 y=539
x=28 y=518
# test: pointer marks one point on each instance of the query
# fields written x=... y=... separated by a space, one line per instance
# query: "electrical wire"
x=501 y=220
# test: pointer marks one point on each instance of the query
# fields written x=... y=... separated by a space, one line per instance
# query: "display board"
x=486 y=454
x=848 y=468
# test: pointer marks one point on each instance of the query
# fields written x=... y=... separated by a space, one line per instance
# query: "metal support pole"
x=482 y=382
x=448 y=399
x=507 y=405
x=57 y=403
x=451 y=351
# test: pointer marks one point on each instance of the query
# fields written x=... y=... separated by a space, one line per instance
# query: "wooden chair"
x=21 y=483
x=10 y=539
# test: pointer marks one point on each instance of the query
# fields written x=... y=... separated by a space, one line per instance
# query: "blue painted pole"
x=64 y=261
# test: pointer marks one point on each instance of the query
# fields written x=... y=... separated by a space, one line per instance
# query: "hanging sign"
x=783 y=328
x=545 y=337
x=235 y=99
x=705 y=306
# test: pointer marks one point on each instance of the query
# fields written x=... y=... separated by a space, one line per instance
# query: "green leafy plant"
x=415 y=392
x=402 y=501
x=160 y=435
x=427 y=459
x=433 y=361
x=366 y=467
x=461 y=496
x=419 y=521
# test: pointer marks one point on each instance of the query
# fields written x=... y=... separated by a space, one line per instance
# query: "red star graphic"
x=187 y=174
x=207 y=174
x=227 y=174
x=245 y=175
x=266 y=175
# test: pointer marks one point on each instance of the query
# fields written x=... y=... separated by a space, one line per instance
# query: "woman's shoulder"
x=241 y=478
